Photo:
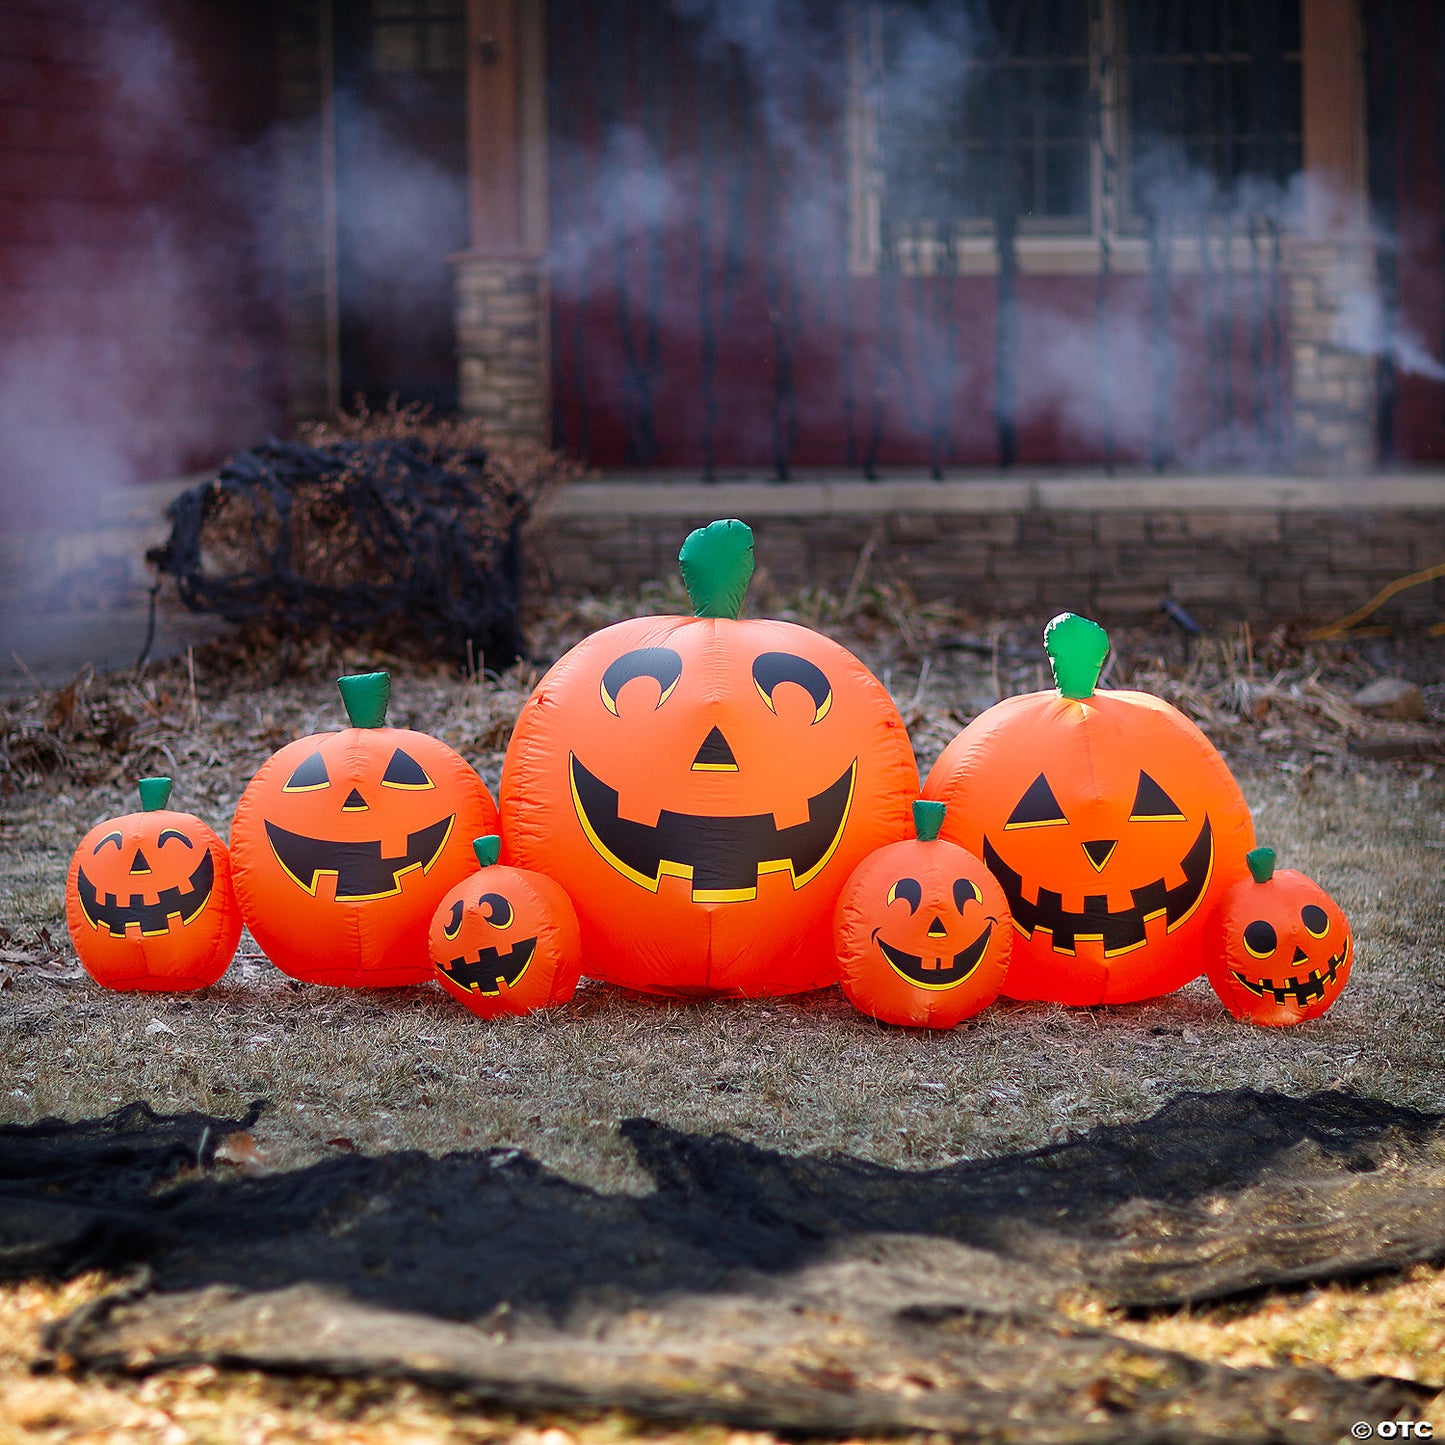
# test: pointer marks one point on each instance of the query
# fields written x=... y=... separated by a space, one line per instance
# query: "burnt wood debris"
x=751 y=1287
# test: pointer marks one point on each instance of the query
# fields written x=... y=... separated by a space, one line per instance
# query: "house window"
x=1059 y=120
x=418 y=35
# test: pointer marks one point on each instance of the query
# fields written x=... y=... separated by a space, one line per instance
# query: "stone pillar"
x=1334 y=286
x=1333 y=302
x=503 y=347
x=502 y=343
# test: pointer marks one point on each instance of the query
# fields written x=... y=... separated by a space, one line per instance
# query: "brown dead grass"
x=408 y=1069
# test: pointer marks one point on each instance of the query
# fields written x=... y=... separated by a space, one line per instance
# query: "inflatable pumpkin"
x=1110 y=820
x=505 y=940
x=1282 y=947
x=148 y=899
x=345 y=842
x=922 y=930
x=706 y=784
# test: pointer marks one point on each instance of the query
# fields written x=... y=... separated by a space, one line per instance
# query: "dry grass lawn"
x=407 y=1068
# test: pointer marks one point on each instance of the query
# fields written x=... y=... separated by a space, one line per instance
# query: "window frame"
x=1115 y=236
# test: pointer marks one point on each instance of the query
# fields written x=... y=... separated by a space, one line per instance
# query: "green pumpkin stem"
x=366 y=695
x=155 y=793
x=717 y=565
x=1077 y=649
x=928 y=819
x=1261 y=864
x=487 y=849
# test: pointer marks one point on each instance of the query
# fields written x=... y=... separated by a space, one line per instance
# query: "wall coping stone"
x=827 y=496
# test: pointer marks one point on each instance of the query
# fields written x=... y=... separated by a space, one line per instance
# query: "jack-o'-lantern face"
x=345 y=841
x=922 y=931
x=1110 y=821
x=505 y=940
x=706 y=784
x=365 y=817
x=1283 y=947
x=770 y=795
x=149 y=900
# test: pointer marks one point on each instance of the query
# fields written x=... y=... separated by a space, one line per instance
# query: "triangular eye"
x=1153 y=805
x=310 y=776
x=1038 y=808
x=403 y=771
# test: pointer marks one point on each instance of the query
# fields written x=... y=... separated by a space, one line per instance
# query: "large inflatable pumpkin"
x=505 y=940
x=148 y=899
x=1282 y=948
x=922 y=930
x=344 y=843
x=704 y=785
x=1110 y=820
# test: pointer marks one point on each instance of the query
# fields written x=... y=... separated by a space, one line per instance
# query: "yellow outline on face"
x=610 y=702
x=365 y=897
x=669 y=869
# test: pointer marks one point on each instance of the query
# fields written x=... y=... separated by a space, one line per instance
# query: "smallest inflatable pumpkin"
x=1283 y=946
x=922 y=930
x=505 y=940
x=149 y=901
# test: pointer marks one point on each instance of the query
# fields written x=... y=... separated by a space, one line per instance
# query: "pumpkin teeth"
x=490 y=969
x=910 y=966
x=154 y=918
x=360 y=870
x=1119 y=930
x=722 y=856
x=1298 y=991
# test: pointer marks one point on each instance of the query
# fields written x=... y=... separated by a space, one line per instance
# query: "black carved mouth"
x=1120 y=930
x=489 y=970
x=360 y=870
x=723 y=856
x=154 y=918
x=1299 y=991
x=939 y=976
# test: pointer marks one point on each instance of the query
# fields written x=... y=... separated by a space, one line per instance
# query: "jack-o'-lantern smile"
x=930 y=971
x=722 y=856
x=1120 y=930
x=1300 y=991
x=361 y=870
x=489 y=968
x=153 y=915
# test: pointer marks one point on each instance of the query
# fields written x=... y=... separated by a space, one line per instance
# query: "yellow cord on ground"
x=1400 y=584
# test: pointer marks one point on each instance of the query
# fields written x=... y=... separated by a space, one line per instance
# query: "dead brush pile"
x=392 y=522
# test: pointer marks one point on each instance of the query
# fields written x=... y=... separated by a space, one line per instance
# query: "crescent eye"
x=965 y=890
x=109 y=838
x=909 y=891
x=168 y=833
x=1260 y=939
x=453 y=925
x=499 y=911
x=1315 y=920
x=772 y=668
x=661 y=664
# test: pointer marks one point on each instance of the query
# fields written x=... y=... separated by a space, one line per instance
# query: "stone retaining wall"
x=1261 y=548
x=1257 y=548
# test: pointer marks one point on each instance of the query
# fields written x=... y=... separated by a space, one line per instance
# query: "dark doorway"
x=401 y=184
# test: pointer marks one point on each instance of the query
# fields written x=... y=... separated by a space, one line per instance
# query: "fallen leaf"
x=343 y=1143
x=241 y=1151
x=159 y=1026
